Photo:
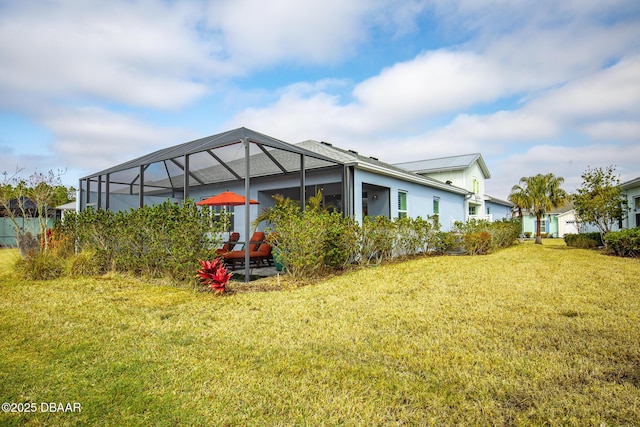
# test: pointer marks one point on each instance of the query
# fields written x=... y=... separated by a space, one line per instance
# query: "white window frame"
x=403 y=213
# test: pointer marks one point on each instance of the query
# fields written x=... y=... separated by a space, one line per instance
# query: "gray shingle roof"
x=442 y=164
x=352 y=158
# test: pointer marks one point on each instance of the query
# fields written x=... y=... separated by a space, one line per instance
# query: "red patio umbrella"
x=226 y=198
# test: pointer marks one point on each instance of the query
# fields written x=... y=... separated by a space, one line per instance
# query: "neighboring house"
x=67 y=207
x=557 y=223
x=568 y=223
x=632 y=191
x=350 y=183
x=470 y=172
x=564 y=221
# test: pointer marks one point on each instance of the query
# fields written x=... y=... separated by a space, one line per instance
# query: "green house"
x=552 y=224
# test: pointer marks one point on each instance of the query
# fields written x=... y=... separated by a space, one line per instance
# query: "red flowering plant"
x=214 y=275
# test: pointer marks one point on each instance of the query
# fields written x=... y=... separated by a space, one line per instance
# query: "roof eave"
x=412 y=178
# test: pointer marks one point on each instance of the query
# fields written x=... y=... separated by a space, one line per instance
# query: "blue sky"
x=535 y=86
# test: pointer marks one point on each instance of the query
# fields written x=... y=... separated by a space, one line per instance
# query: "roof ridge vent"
x=353 y=151
x=328 y=144
x=374 y=158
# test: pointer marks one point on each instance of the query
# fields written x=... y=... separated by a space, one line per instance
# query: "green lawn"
x=531 y=335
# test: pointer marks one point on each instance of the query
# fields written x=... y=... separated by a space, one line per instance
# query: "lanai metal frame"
x=224 y=157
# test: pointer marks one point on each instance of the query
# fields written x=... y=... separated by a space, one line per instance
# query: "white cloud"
x=258 y=33
x=138 y=53
x=491 y=133
x=94 y=138
x=613 y=92
x=432 y=83
x=616 y=130
x=566 y=161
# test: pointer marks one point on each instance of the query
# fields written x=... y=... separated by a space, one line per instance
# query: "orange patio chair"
x=228 y=245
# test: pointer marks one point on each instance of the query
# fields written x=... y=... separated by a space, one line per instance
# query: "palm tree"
x=539 y=194
x=521 y=201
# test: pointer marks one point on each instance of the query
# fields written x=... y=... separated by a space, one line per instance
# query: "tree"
x=599 y=200
x=539 y=194
x=31 y=197
x=521 y=201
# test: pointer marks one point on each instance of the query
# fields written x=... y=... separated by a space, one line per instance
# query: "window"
x=472 y=209
x=543 y=226
x=215 y=213
x=436 y=205
x=476 y=186
x=402 y=204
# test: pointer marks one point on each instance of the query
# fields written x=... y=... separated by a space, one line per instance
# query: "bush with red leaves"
x=214 y=275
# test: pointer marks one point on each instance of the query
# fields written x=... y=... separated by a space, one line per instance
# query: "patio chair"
x=229 y=245
x=259 y=253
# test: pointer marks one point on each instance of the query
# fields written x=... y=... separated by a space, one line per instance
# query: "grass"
x=531 y=335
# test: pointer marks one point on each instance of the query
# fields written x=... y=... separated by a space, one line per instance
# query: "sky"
x=540 y=86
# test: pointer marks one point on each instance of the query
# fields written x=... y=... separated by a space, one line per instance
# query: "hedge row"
x=313 y=241
x=584 y=240
x=625 y=243
x=158 y=241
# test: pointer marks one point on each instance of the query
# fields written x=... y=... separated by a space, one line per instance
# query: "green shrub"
x=412 y=236
x=90 y=263
x=625 y=243
x=583 y=240
x=340 y=240
x=161 y=240
x=477 y=243
x=40 y=266
x=504 y=233
x=309 y=242
x=443 y=242
x=299 y=239
x=528 y=234
x=377 y=236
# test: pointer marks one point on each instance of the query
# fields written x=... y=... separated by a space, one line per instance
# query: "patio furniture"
x=229 y=245
x=259 y=253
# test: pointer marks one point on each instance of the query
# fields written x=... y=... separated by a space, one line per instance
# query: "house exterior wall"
x=567 y=224
x=497 y=211
x=465 y=179
x=549 y=226
x=419 y=198
x=257 y=192
x=457 y=178
x=462 y=178
x=633 y=199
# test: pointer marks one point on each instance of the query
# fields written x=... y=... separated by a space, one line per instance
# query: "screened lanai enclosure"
x=249 y=163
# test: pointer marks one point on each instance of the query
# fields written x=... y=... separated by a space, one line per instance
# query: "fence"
x=8 y=232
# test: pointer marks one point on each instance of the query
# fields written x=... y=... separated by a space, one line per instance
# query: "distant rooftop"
x=442 y=164
x=350 y=157
x=630 y=184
